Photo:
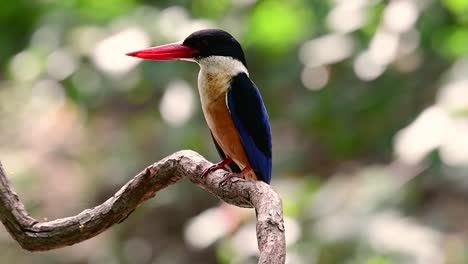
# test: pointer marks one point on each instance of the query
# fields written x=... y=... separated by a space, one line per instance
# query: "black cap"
x=214 y=42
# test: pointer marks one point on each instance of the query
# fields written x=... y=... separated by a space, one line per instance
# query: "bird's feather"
x=251 y=120
x=233 y=166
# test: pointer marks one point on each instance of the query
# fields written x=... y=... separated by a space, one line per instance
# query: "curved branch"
x=34 y=235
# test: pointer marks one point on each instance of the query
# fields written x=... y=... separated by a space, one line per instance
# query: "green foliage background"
x=73 y=131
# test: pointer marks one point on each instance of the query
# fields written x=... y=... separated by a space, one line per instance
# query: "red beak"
x=172 y=51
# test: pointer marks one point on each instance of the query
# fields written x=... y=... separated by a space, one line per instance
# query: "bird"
x=231 y=102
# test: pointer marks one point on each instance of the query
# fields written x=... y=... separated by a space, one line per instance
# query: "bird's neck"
x=216 y=73
x=222 y=65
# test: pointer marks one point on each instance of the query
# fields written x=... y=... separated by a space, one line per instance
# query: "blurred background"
x=368 y=102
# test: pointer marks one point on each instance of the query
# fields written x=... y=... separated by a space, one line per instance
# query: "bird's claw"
x=209 y=170
x=230 y=175
x=215 y=167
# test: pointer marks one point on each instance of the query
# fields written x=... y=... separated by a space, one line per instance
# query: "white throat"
x=215 y=75
x=222 y=65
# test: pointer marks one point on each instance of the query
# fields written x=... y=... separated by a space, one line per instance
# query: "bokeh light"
x=177 y=103
x=25 y=66
x=107 y=55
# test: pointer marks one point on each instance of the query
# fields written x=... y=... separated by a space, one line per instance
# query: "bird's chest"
x=213 y=99
x=212 y=88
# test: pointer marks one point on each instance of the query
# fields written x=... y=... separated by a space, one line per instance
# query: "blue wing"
x=251 y=120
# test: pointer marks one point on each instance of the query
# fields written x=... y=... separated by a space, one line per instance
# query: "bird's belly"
x=224 y=131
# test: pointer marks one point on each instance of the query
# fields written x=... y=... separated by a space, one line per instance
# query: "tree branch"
x=34 y=235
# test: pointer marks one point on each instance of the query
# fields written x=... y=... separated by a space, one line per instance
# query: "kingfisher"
x=232 y=105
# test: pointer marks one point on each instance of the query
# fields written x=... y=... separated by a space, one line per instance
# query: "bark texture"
x=34 y=235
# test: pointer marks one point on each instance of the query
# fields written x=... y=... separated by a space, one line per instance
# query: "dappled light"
x=419 y=243
x=315 y=78
x=25 y=66
x=107 y=54
x=326 y=49
x=366 y=67
x=347 y=16
x=429 y=131
x=60 y=64
x=177 y=103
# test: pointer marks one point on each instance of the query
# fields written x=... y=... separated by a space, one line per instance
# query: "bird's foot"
x=217 y=166
x=231 y=175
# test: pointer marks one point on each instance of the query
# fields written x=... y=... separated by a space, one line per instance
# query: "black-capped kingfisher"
x=231 y=102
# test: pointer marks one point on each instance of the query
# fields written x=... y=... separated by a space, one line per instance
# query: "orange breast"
x=224 y=131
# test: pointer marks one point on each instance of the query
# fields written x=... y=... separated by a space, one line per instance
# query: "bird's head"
x=206 y=46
